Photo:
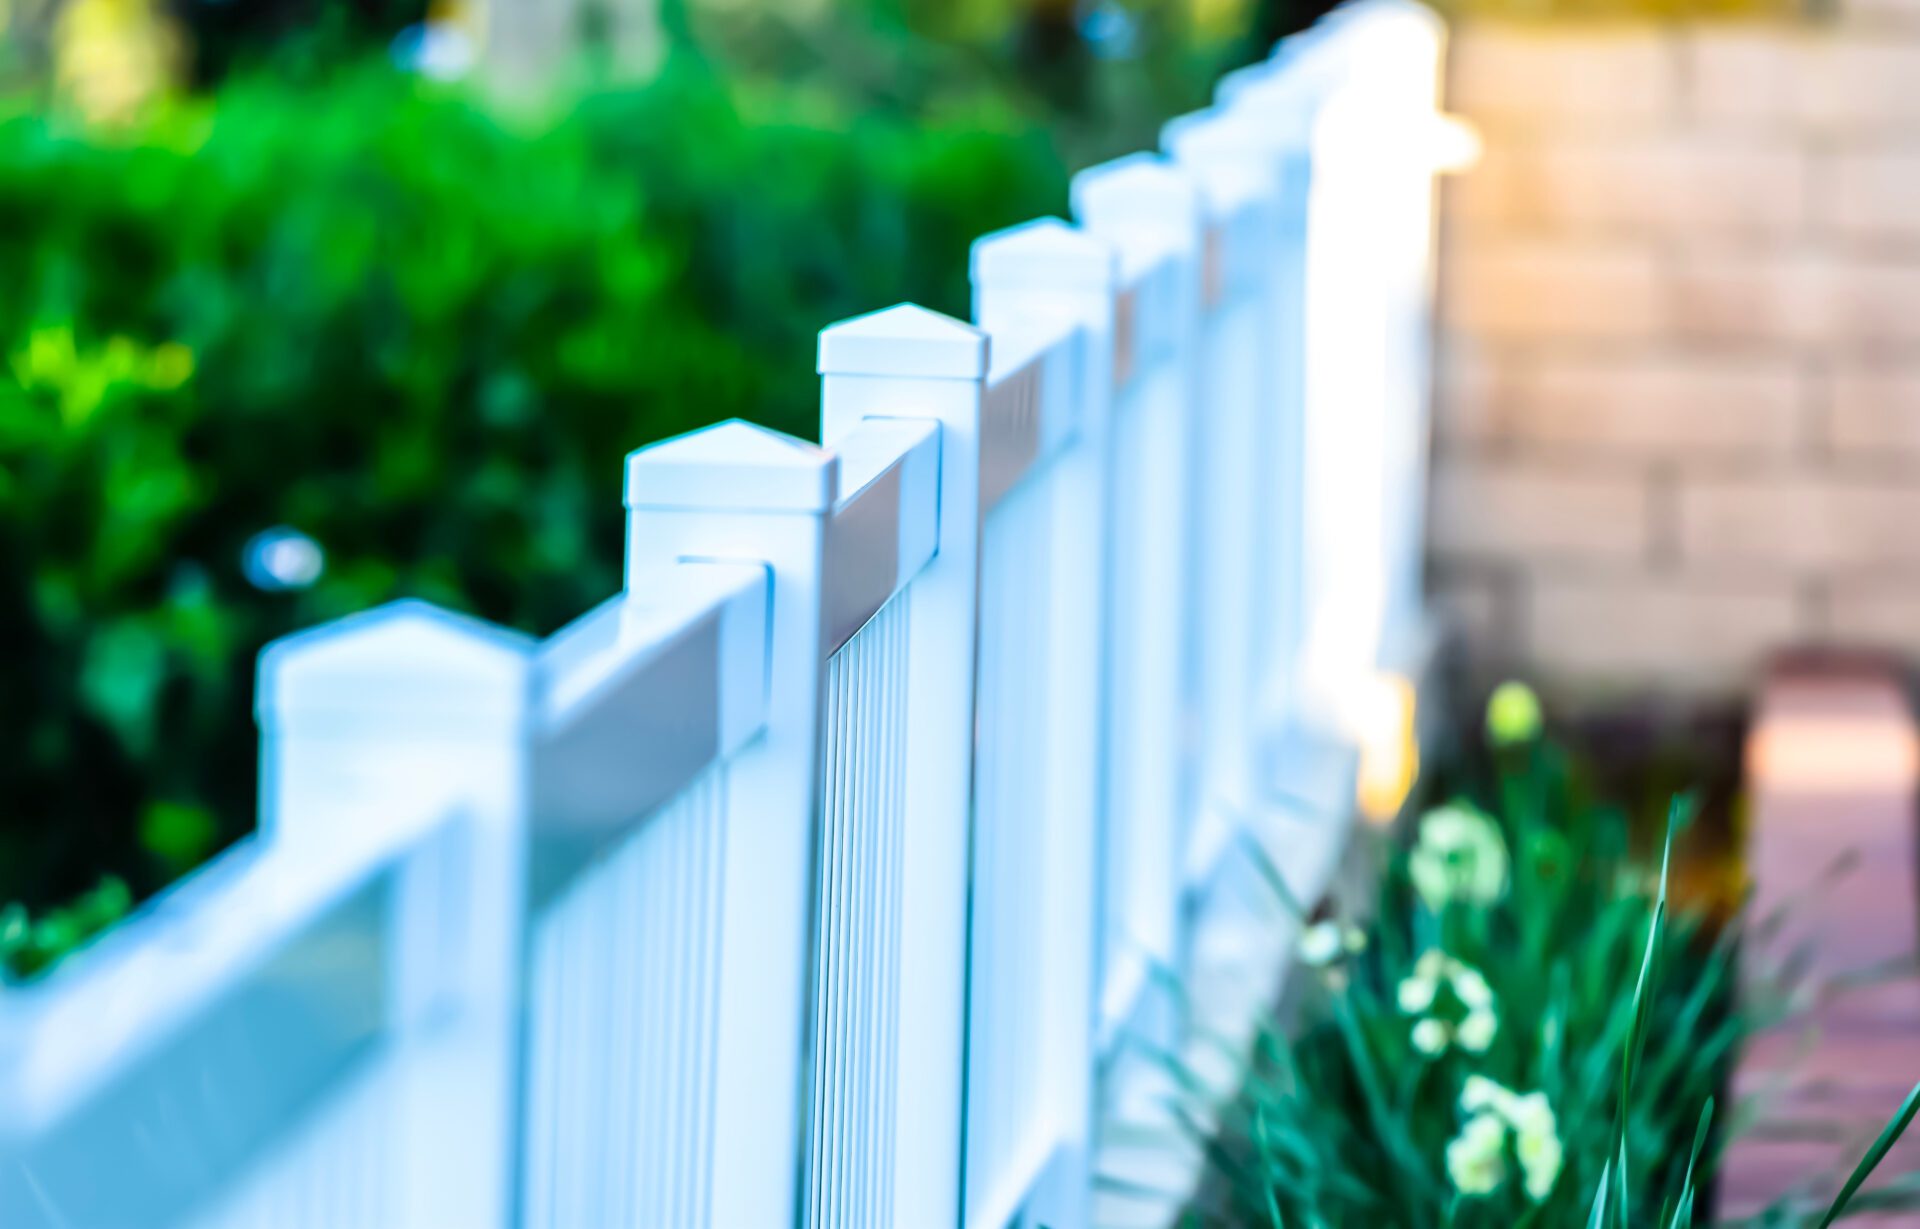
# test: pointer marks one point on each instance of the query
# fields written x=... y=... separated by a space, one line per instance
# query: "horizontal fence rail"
x=847 y=868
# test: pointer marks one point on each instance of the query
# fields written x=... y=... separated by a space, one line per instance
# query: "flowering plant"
x=1525 y=1033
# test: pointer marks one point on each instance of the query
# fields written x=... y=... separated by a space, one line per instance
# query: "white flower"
x=1540 y=1156
x=1476 y=1031
x=1472 y=988
x=1476 y=1158
x=1481 y=1093
x=1460 y=855
x=1356 y=940
x=1416 y=994
x=1321 y=943
x=1530 y=1114
x=1431 y=1036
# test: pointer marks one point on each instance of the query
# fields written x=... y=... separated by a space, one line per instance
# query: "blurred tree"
x=115 y=58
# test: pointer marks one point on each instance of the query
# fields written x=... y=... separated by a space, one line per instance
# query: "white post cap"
x=904 y=340
x=733 y=466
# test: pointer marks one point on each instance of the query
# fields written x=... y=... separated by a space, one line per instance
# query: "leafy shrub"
x=363 y=311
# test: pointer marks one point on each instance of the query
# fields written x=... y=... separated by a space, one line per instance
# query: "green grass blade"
x=1637 y=1034
x=1699 y=1138
x=1598 y=1217
x=1682 y=1217
x=1642 y=999
x=1266 y=1149
x=1889 y=1135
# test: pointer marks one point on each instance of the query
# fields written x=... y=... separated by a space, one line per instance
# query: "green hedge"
x=365 y=308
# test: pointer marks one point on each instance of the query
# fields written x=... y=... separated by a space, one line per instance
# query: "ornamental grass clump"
x=1527 y=1033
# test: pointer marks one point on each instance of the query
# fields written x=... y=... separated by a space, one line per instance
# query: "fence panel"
x=246 y=1026
x=640 y=708
x=303 y=1032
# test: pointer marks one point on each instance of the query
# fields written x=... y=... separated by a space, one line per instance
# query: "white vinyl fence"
x=831 y=873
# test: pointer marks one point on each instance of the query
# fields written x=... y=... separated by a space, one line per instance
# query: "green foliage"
x=1530 y=1034
x=367 y=308
x=28 y=945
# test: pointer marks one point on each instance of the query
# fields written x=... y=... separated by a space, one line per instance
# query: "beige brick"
x=1859 y=85
x=1745 y=77
x=1472 y=387
x=1875 y=613
x=1529 y=77
x=1680 y=186
x=1801 y=524
x=1874 y=301
x=1854 y=84
x=1872 y=195
x=1855 y=302
x=1752 y=296
x=1638 y=633
x=1874 y=411
x=1684 y=407
x=1493 y=510
x=1488 y=193
x=1526 y=288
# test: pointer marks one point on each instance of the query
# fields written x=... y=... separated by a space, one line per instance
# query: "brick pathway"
x=1832 y=764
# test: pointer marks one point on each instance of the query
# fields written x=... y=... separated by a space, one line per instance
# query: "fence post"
x=1034 y=278
x=1380 y=143
x=382 y=712
x=907 y=362
x=1151 y=214
x=1343 y=103
x=739 y=494
x=1237 y=931
x=1241 y=497
x=1276 y=147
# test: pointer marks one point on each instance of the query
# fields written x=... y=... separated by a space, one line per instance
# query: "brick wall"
x=1679 y=363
